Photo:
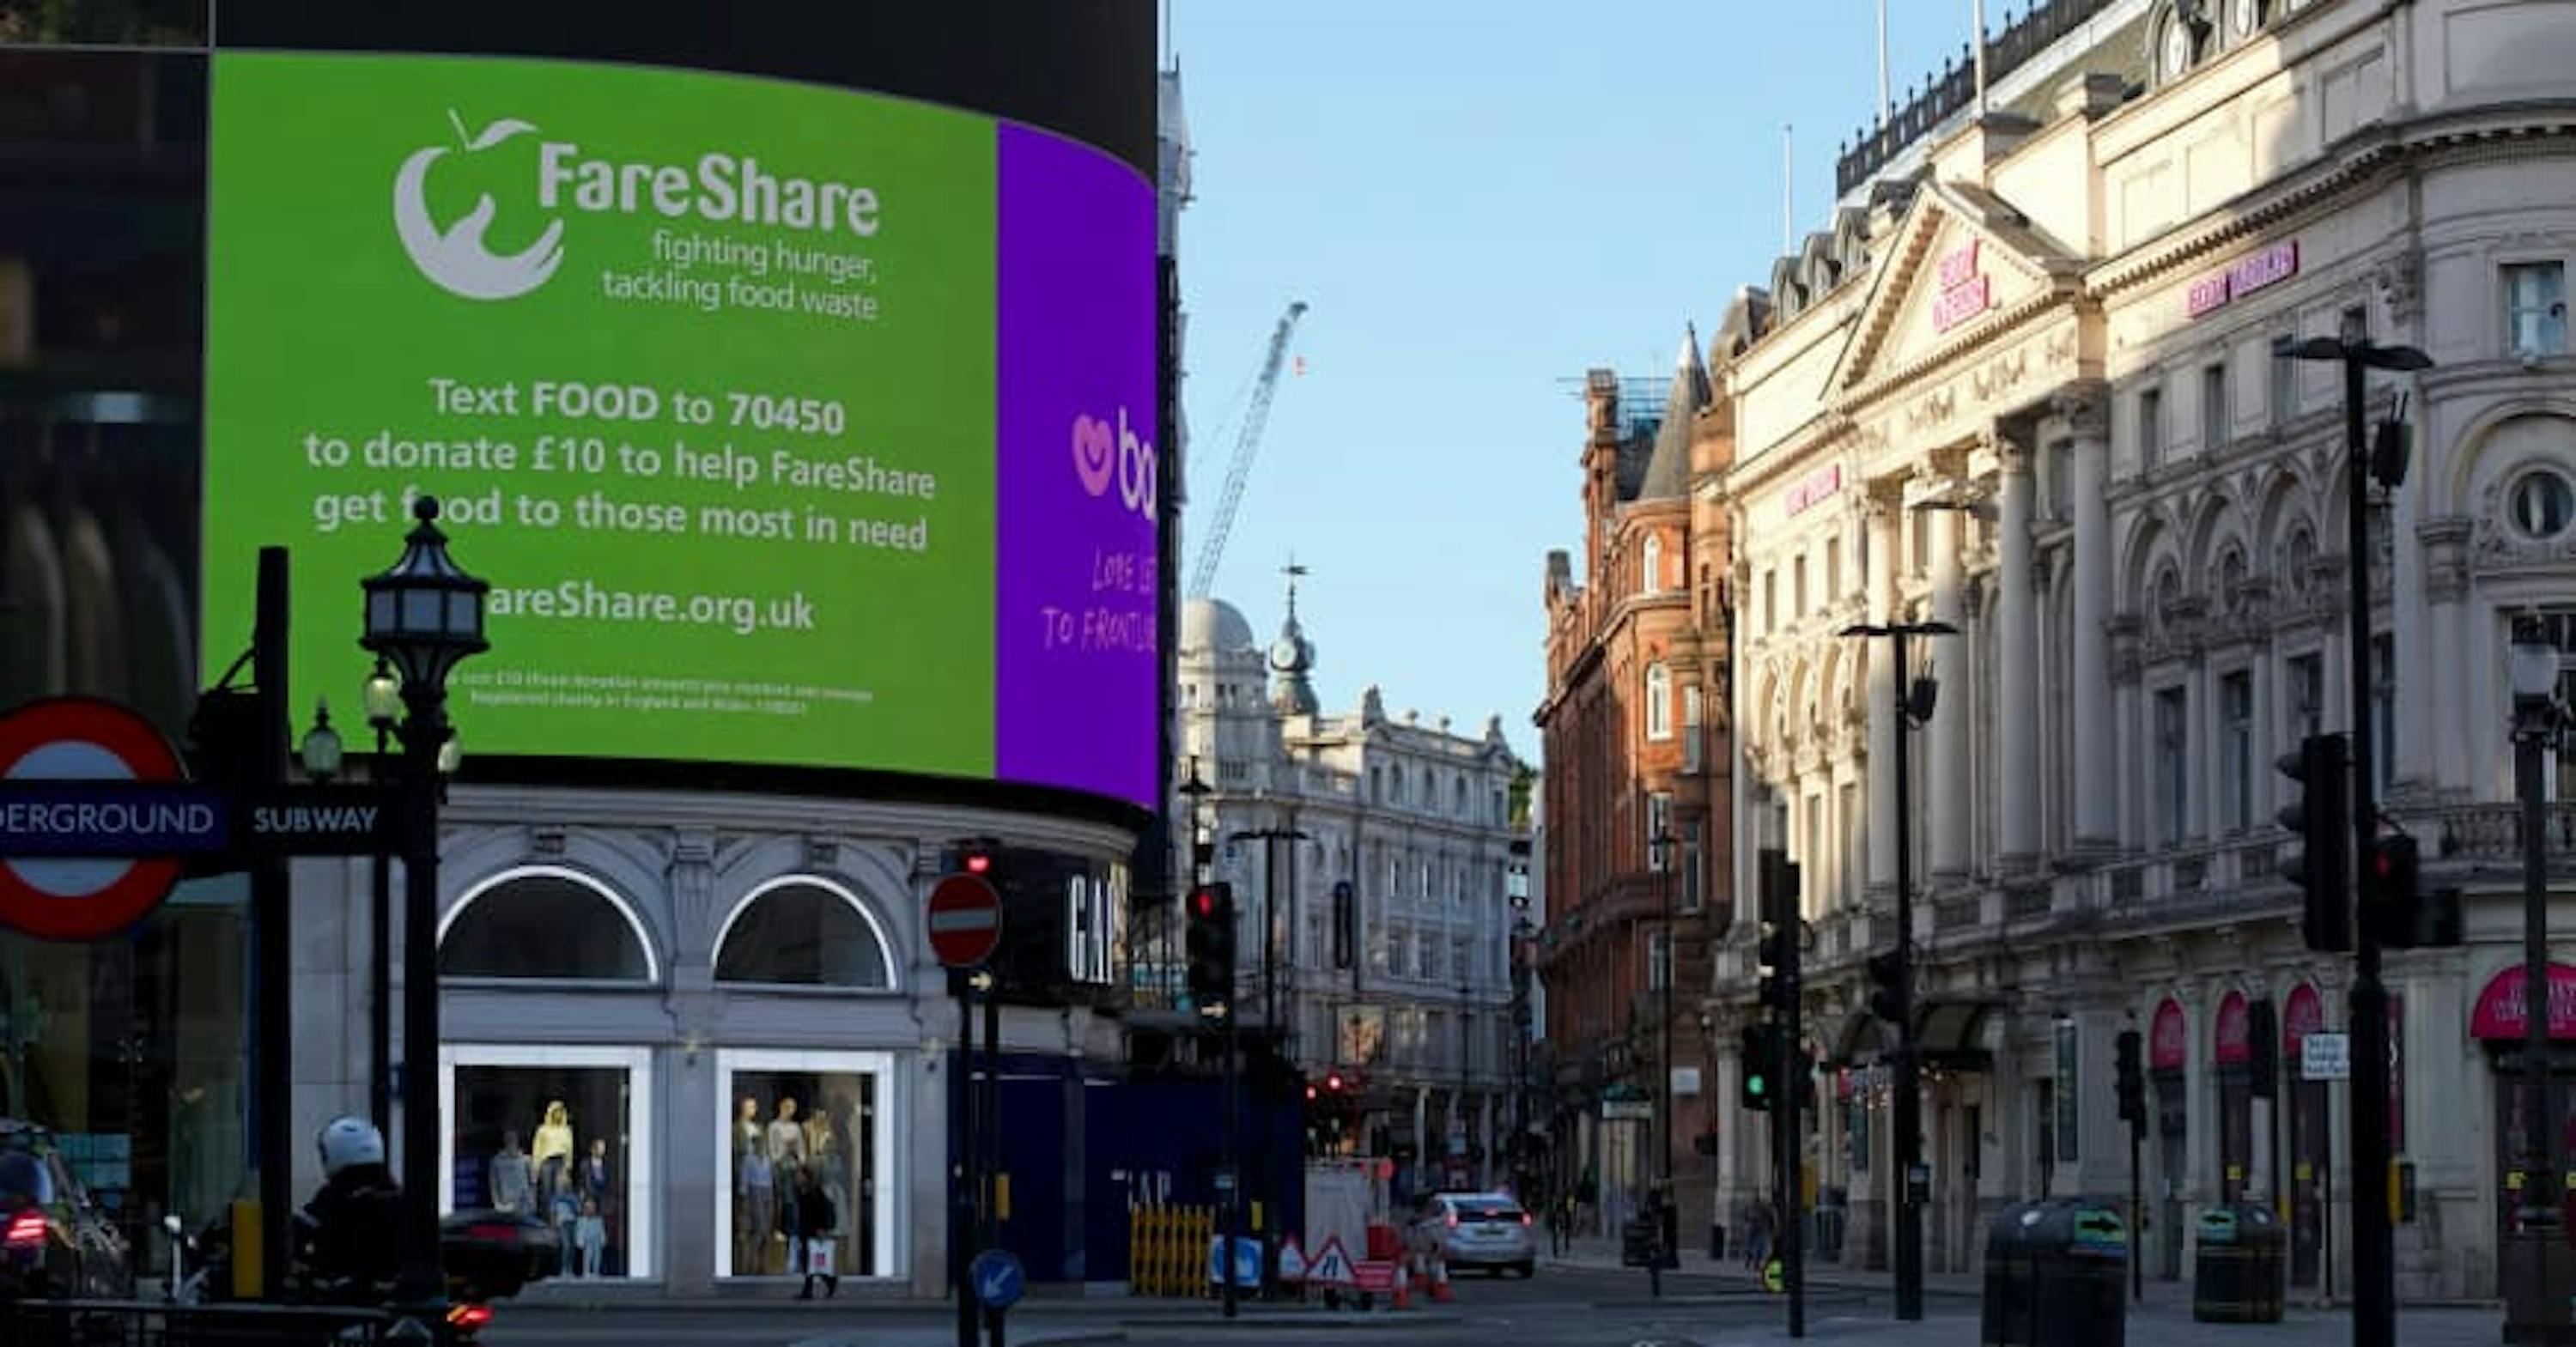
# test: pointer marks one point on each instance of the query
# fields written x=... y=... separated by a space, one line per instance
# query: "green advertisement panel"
x=701 y=368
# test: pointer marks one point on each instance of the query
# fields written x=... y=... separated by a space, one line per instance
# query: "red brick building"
x=1633 y=731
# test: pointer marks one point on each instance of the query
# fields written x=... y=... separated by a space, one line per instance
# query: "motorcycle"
x=487 y=1255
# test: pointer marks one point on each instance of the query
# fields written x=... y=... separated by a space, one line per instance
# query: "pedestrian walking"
x=816 y=1223
x=1758 y=1229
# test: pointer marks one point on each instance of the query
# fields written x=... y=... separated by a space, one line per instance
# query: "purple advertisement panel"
x=1075 y=676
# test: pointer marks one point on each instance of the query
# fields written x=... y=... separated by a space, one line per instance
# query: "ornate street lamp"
x=423 y=617
x=1911 y=1181
x=320 y=751
x=382 y=698
x=2538 y=722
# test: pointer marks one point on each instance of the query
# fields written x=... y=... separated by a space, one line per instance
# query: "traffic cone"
x=1440 y=1275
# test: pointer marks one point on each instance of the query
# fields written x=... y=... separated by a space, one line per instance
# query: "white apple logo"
x=456 y=259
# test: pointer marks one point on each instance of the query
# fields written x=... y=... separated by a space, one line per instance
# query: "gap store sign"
x=791 y=425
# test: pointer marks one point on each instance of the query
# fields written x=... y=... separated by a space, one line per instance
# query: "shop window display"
x=799 y=1137
x=552 y=1141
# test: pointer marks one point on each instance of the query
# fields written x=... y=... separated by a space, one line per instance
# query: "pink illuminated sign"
x=2218 y=289
x=1813 y=487
x=1965 y=292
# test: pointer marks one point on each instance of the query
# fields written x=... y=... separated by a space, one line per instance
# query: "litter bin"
x=2056 y=1276
x=1641 y=1241
x=2238 y=1272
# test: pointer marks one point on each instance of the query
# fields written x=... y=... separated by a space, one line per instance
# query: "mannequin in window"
x=755 y=1207
x=554 y=1142
x=786 y=1156
x=511 y=1178
x=746 y=1126
x=787 y=1133
x=595 y=1179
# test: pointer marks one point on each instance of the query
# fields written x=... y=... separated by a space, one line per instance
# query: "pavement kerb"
x=1042 y=1338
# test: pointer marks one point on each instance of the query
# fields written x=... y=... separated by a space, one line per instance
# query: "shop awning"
x=1952 y=1033
x=1948 y=1032
x=1861 y=1037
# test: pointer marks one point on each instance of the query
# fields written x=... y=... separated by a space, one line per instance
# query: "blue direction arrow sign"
x=999 y=1279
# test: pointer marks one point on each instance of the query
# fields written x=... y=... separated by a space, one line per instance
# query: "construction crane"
x=1247 y=445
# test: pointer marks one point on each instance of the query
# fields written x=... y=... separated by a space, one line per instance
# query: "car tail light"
x=498 y=1234
x=1453 y=1220
x=25 y=1229
x=1525 y=1218
x=469 y=1316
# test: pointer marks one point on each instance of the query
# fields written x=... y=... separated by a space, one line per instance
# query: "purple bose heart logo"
x=1095 y=453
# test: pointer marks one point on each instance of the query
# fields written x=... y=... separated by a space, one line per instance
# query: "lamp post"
x=1668 y=1211
x=2538 y=722
x=423 y=616
x=2374 y=1255
x=1270 y=1033
x=1913 y=707
x=383 y=699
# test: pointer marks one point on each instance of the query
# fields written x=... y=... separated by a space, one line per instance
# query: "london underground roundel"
x=74 y=740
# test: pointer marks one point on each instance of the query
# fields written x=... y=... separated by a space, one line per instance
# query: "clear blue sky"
x=1480 y=202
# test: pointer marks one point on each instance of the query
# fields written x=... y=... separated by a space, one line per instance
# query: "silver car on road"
x=1479 y=1230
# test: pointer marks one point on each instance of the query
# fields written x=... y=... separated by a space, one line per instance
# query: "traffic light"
x=2133 y=1082
x=1887 y=988
x=2321 y=815
x=1211 y=948
x=1779 y=931
x=1775 y=965
x=2403 y=915
x=2263 y=1048
x=1759 y=1046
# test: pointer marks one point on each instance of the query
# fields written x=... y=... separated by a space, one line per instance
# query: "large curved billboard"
x=791 y=425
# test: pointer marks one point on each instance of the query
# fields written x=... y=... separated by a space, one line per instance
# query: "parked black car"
x=85 y=1255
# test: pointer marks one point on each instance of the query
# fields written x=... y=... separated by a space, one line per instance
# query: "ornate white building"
x=1391 y=962
x=2025 y=384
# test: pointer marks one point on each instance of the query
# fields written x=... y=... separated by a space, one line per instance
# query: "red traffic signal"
x=1333 y=1081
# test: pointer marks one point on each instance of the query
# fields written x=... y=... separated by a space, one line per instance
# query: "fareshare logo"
x=456 y=258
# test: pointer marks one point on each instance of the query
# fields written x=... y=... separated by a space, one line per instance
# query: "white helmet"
x=350 y=1141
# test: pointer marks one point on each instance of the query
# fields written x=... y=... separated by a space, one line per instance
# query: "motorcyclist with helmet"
x=350 y=1235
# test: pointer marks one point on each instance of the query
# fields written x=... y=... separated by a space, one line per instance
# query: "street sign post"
x=2325 y=1057
x=965 y=920
x=999 y=1279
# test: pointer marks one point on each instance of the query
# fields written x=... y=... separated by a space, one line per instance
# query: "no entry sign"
x=965 y=920
x=87 y=846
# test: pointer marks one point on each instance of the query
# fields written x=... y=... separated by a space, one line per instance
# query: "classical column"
x=2200 y=763
x=2017 y=724
x=2129 y=735
x=1951 y=797
x=1880 y=512
x=2082 y=417
x=2444 y=717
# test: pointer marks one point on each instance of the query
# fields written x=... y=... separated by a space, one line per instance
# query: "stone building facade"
x=2024 y=383
x=1388 y=951
x=1635 y=797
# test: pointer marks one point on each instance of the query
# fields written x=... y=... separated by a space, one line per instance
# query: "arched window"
x=1650 y=564
x=548 y=924
x=806 y=933
x=1659 y=702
